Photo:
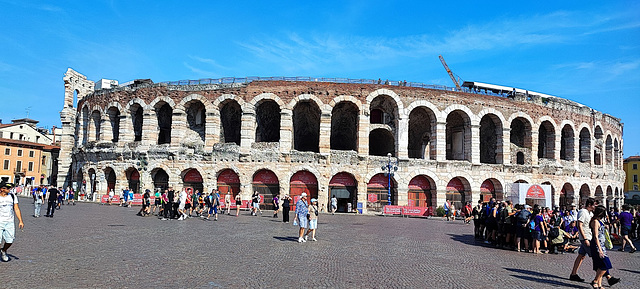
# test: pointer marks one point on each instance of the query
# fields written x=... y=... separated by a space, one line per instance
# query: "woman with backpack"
x=539 y=230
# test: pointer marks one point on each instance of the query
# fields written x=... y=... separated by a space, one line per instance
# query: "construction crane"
x=450 y=73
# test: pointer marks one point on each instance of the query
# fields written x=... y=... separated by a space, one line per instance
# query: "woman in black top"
x=285 y=208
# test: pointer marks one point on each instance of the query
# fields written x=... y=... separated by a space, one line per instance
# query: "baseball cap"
x=313 y=200
x=527 y=207
x=303 y=195
x=6 y=185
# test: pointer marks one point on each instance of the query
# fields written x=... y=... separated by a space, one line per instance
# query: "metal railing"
x=243 y=80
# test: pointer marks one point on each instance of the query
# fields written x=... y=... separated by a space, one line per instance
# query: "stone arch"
x=160 y=99
x=491 y=188
x=195 y=177
x=599 y=195
x=422 y=191
x=346 y=98
x=425 y=105
x=458 y=134
x=226 y=97
x=95 y=125
x=584 y=147
x=491 y=138
x=114 y=111
x=382 y=91
x=267 y=96
x=76 y=87
x=458 y=191
x=567 y=195
x=381 y=142
x=521 y=138
x=306 y=124
x=136 y=108
x=608 y=156
x=85 y=117
x=230 y=113
x=585 y=193
x=345 y=117
x=110 y=177
x=546 y=139
x=164 y=115
x=268 y=118
x=306 y=97
x=422 y=132
x=160 y=177
x=567 y=143
x=196 y=114
x=182 y=105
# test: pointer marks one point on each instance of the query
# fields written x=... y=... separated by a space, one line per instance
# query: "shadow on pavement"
x=538 y=277
x=291 y=239
x=631 y=271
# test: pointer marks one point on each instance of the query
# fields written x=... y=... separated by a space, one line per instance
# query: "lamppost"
x=389 y=168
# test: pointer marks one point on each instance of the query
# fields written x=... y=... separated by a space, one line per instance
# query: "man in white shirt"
x=8 y=208
x=183 y=200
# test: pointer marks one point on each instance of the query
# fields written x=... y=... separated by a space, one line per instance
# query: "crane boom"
x=449 y=72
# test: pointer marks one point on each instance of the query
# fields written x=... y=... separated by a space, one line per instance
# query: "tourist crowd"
x=539 y=230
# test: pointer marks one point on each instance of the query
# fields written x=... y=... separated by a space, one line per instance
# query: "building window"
x=44 y=160
x=18 y=166
x=6 y=165
x=19 y=153
x=7 y=151
x=11 y=135
x=31 y=166
x=635 y=188
x=635 y=166
x=635 y=178
x=31 y=154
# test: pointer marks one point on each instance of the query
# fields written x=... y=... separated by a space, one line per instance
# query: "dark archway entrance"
x=343 y=186
x=111 y=179
x=160 y=179
x=457 y=191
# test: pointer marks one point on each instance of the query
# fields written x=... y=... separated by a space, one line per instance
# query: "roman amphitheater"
x=333 y=137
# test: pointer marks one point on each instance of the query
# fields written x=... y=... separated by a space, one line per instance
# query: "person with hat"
x=302 y=213
x=8 y=208
x=313 y=220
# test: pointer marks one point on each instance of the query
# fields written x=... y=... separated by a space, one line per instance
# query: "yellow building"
x=27 y=163
x=631 y=185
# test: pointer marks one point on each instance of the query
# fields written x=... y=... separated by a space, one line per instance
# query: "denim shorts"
x=313 y=224
x=303 y=222
x=8 y=231
x=584 y=250
x=625 y=230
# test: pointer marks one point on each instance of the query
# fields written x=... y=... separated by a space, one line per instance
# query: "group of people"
x=55 y=198
x=524 y=228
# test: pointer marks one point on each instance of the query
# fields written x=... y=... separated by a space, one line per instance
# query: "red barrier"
x=408 y=211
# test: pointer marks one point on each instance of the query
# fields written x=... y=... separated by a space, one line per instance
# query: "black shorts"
x=157 y=202
x=507 y=228
x=522 y=232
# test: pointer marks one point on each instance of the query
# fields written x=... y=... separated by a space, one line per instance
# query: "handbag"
x=607 y=240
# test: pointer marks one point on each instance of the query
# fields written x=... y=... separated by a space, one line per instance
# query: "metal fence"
x=232 y=80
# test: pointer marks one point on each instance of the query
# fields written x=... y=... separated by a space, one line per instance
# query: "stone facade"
x=294 y=136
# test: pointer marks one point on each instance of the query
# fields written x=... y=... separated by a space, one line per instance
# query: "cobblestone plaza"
x=89 y=246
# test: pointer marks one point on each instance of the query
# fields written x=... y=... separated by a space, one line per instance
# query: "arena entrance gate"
x=133 y=178
x=228 y=183
x=266 y=183
x=377 y=192
x=420 y=192
x=456 y=193
x=161 y=180
x=343 y=186
x=192 y=179
x=487 y=191
x=303 y=182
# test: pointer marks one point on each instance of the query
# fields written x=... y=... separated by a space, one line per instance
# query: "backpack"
x=554 y=233
x=522 y=218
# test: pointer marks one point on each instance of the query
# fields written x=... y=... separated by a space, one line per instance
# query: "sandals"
x=593 y=285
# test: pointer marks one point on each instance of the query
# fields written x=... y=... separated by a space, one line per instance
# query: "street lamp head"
x=389 y=154
x=383 y=168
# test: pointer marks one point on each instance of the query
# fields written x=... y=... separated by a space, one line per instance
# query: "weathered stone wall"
x=333 y=117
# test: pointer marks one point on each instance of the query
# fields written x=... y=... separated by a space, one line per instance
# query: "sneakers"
x=314 y=239
x=613 y=280
x=5 y=258
x=576 y=278
x=299 y=241
x=632 y=250
x=305 y=237
x=163 y=219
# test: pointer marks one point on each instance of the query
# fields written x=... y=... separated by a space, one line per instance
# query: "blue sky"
x=586 y=51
